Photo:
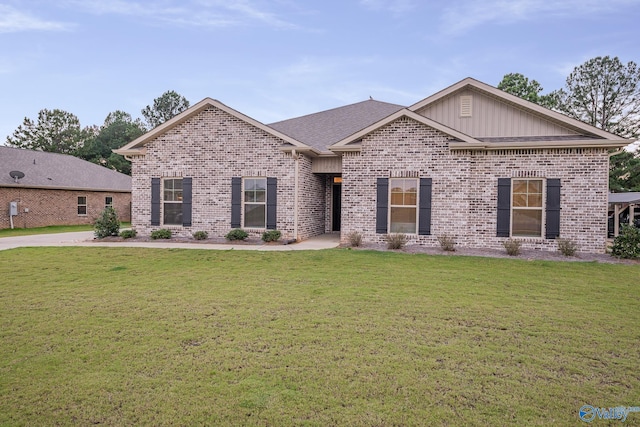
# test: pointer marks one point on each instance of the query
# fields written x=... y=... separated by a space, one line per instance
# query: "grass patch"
x=132 y=336
x=53 y=229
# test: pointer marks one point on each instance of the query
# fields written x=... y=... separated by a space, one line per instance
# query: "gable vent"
x=465 y=105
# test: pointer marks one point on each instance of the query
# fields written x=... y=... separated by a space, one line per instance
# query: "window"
x=172 y=202
x=108 y=202
x=82 y=205
x=255 y=202
x=403 y=205
x=527 y=207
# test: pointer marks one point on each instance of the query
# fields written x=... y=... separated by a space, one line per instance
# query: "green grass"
x=189 y=337
x=8 y=232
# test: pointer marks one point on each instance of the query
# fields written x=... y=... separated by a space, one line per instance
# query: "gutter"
x=296 y=158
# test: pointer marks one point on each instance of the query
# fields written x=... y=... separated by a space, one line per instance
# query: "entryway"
x=336 y=203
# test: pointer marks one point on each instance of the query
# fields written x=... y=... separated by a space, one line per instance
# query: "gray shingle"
x=58 y=171
x=320 y=130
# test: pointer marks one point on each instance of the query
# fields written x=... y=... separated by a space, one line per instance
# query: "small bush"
x=355 y=239
x=237 y=234
x=627 y=243
x=447 y=243
x=512 y=246
x=200 y=235
x=271 y=236
x=567 y=247
x=128 y=234
x=163 y=233
x=396 y=241
x=107 y=223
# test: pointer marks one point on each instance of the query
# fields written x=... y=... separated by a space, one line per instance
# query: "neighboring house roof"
x=320 y=130
x=58 y=171
x=632 y=197
x=137 y=146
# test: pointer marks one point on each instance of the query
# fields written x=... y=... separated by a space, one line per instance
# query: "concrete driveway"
x=86 y=238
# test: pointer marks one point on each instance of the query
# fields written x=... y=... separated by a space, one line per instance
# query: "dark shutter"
x=553 y=209
x=504 y=207
x=155 y=201
x=382 y=205
x=186 y=201
x=424 y=215
x=272 y=202
x=236 y=201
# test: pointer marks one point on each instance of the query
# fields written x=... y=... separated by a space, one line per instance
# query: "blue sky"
x=279 y=59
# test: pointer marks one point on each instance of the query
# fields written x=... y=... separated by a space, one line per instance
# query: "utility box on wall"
x=13 y=208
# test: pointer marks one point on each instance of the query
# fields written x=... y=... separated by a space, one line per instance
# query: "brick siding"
x=57 y=207
x=464 y=192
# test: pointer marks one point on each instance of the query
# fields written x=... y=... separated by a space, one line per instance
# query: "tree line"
x=603 y=92
x=59 y=131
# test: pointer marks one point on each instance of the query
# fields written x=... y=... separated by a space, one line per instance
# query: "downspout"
x=296 y=157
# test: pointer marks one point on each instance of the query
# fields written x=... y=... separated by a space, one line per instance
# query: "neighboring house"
x=57 y=189
x=624 y=208
x=471 y=162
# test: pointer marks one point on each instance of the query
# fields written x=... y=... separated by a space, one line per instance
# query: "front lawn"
x=129 y=336
x=8 y=232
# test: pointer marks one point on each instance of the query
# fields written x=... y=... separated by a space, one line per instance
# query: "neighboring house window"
x=255 y=202
x=82 y=205
x=526 y=207
x=403 y=205
x=172 y=212
x=108 y=202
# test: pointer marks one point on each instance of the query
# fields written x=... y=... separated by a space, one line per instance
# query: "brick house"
x=58 y=189
x=470 y=161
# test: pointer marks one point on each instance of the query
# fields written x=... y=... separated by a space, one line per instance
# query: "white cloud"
x=463 y=15
x=13 y=20
x=397 y=7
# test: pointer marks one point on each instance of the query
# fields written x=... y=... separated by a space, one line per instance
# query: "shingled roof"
x=58 y=171
x=320 y=130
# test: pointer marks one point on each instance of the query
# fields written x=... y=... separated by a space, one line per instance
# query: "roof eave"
x=55 y=187
x=490 y=146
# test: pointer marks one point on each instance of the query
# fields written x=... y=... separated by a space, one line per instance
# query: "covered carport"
x=624 y=208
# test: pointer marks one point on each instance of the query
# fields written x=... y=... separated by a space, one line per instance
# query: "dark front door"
x=336 y=207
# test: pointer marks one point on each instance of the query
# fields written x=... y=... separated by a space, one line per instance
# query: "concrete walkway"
x=86 y=238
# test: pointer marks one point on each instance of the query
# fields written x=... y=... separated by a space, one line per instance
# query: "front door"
x=336 y=206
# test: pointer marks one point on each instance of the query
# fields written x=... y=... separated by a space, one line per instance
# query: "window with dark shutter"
x=382 y=205
x=553 y=209
x=503 y=227
x=186 y=201
x=424 y=216
x=155 y=201
x=272 y=197
x=236 y=201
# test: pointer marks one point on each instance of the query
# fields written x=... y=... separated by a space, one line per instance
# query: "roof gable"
x=137 y=146
x=58 y=171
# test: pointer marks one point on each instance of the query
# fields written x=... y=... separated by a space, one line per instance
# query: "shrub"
x=271 y=236
x=567 y=247
x=355 y=239
x=128 y=234
x=627 y=243
x=163 y=233
x=107 y=223
x=237 y=234
x=396 y=241
x=447 y=243
x=512 y=246
x=200 y=235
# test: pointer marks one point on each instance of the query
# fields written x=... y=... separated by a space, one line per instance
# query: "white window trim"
x=86 y=205
x=163 y=201
x=543 y=222
x=244 y=178
x=417 y=205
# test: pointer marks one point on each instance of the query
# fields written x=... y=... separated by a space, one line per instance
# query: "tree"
x=604 y=93
x=624 y=172
x=169 y=105
x=520 y=86
x=55 y=131
x=118 y=129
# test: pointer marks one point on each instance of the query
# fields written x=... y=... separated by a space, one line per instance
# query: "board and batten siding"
x=491 y=117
